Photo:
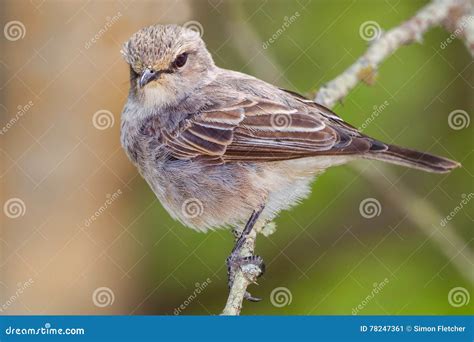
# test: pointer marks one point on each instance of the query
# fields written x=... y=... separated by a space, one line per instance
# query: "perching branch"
x=241 y=282
x=455 y=15
x=248 y=274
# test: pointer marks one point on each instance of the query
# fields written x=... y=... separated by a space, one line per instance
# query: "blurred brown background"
x=81 y=233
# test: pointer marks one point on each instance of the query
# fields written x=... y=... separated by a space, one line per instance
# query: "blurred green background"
x=326 y=255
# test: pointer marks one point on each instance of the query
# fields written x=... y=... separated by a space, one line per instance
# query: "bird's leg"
x=252 y=266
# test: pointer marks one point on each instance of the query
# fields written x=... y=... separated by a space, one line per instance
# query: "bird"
x=223 y=149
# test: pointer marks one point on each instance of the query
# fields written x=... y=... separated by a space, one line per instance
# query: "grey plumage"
x=227 y=142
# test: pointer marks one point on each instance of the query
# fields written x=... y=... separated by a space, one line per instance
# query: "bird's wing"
x=256 y=129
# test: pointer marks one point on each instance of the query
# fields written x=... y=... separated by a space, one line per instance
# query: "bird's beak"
x=147 y=76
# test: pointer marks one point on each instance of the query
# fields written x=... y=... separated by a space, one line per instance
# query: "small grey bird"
x=221 y=148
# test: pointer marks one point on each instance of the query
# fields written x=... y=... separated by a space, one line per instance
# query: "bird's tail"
x=413 y=159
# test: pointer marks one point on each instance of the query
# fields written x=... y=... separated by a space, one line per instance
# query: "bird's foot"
x=252 y=267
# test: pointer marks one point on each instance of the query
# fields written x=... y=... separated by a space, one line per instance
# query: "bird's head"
x=167 y=62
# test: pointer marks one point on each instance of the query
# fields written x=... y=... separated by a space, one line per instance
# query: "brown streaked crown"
x=156 y=46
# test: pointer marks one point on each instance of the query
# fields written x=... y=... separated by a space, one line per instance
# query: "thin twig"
x=460 y=21
x=435 y=13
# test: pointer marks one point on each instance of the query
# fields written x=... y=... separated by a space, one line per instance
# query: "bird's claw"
x=250 y=298
x=252 y=267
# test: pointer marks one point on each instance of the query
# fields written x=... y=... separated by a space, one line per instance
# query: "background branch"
x=455 y=15
x=425 y=217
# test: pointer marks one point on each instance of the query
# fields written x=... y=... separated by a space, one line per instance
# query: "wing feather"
x=263 y=130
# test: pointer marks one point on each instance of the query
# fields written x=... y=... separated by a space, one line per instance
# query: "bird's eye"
x=180 y=61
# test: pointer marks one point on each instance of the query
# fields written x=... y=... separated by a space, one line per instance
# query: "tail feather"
x=414 y=159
